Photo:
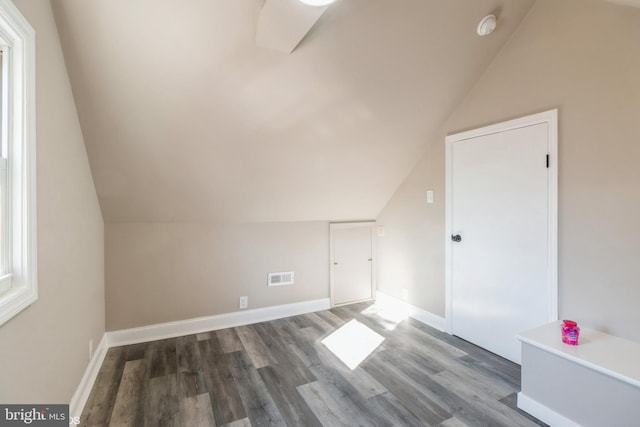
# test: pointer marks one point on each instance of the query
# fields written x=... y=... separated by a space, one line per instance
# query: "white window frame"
x=19 y=287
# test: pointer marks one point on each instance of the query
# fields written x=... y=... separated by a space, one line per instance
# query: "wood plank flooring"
x=279 y=373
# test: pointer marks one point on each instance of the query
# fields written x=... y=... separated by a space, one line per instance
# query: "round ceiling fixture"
x=487 y=25
x=317 y=2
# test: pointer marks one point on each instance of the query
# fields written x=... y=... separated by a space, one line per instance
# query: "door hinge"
x=547 y=161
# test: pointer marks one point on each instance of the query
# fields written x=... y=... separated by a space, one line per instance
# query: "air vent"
x=281 y=279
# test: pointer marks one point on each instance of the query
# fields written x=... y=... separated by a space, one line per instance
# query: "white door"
x=501 y=247
x=351 y=262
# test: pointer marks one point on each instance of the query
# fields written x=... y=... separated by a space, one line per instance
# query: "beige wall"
x=44 y=349
x=161 y=272
x=411 y=255
x=582 y=57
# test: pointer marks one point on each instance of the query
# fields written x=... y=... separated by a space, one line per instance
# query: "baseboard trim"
x=212 y=323
x=430 y=319
x=544 y=413
x=81 y=395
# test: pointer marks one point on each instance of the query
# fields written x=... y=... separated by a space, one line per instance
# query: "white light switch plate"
x=430 y=196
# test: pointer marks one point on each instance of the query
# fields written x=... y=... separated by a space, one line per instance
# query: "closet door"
x=351 y=262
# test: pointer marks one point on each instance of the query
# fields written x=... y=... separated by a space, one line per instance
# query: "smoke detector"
x=487 y=25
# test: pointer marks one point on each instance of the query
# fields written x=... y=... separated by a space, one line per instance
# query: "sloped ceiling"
x=186 y=119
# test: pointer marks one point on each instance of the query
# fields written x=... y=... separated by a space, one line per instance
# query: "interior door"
x=351 y=262
x=500 y=244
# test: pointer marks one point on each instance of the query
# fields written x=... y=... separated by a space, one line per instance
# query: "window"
x=18 y=273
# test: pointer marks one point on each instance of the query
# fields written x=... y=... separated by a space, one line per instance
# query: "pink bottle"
x=570 y=332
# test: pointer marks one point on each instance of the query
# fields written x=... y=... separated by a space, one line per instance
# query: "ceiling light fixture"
x=487 y=25
x=317 y=2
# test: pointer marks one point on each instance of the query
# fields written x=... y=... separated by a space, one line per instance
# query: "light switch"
x=430 y=196
x=381 y=231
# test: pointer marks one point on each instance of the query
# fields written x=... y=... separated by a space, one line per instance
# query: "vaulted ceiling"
x=185 y=118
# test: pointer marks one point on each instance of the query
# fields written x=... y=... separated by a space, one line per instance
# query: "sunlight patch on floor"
x=353 y=342
x=390 y=315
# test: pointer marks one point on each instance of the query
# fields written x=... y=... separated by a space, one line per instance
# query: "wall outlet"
x=405 y=294
x=244 y=302
x=90 y=349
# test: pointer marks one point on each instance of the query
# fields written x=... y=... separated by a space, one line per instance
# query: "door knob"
x=456 y=238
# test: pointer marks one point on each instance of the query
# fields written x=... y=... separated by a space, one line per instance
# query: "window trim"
x=18 y=39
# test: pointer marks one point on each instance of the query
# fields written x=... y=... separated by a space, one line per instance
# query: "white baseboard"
x=81 y=395
x=543 y=413
x=211 y=323
x=386 y=300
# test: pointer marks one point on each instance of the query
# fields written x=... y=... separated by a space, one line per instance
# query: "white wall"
x=44 y=349
x=582 y=57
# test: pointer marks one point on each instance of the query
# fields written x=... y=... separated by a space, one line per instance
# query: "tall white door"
x=351 y=262
x=500 y=248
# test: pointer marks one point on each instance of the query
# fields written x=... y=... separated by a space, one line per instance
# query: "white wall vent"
x=280 y=279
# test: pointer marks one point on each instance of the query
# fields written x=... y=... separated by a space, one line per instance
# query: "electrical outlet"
x=244 y=302
x=90 y=349
x=405 y=294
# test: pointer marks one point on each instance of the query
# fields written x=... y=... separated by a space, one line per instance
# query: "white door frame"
x=551 y=119
x=337 y=225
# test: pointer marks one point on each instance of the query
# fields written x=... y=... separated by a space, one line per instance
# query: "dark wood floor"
x=279 y=373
